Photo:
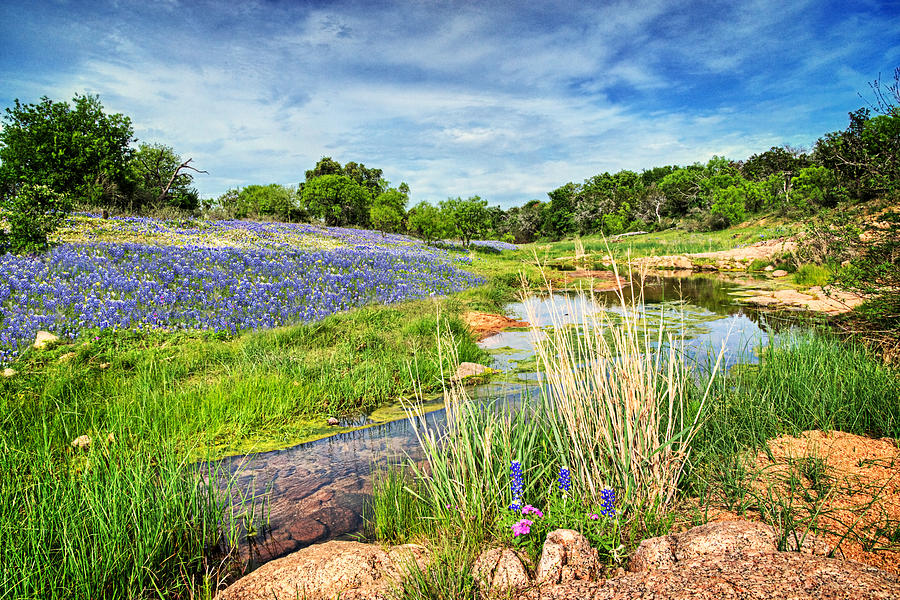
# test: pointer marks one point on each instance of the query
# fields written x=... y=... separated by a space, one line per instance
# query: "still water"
x=320 y=490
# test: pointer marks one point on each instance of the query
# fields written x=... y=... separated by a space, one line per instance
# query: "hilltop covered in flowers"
x=219 y=275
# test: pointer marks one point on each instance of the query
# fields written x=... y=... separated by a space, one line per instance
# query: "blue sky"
x=507 y=100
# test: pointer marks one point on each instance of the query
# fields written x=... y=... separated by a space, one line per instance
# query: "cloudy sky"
x=507 y=100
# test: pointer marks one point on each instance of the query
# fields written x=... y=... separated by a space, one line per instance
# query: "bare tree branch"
x=183 y=165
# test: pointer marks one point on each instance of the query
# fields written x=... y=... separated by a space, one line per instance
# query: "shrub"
x=34 y=212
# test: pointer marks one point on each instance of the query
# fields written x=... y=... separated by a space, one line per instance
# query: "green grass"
x=810 y=275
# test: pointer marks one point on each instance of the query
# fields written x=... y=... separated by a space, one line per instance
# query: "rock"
x=500 y=570
x=772 y=576
x=718 y=538
x=469 y=369
x=44 y=339
x=769 y=268
x=82 y=441
x=104 y=366
x=7 y=372
x=349 y=570
x=306 y=531
x=779 y=273
x=333 y=421
x=567 y=556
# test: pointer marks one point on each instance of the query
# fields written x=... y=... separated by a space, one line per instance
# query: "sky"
x=506 y=100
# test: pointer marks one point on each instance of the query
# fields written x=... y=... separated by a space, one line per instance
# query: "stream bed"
x=320 y=490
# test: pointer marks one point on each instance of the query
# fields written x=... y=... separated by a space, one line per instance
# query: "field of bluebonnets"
x=227 y=276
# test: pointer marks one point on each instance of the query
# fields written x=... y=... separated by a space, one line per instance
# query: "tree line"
x=55 y=156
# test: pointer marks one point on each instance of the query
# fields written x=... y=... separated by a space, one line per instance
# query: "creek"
x=320 y=490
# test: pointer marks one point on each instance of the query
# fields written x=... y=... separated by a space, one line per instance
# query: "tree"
x=469 y=217
x=79 y=150
x=161 y=179
x=388 y=209
x=336 y=199
x=428 y=222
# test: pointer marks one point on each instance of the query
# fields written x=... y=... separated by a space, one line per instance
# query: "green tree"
x=469 y=217
x=336 y=199
x=428 y=222
x=814 y=187
x=388 y=209
x=729 y=203
x=76 y=150
x=31 y=214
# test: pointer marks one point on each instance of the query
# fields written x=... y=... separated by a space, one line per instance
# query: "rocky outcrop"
x=501 y=570
x=349 y=570
x=816 y=299
x=567 y=556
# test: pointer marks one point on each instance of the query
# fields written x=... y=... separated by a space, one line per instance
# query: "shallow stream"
x=320 y=490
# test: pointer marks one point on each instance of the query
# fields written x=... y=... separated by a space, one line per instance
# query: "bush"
x=34 y=212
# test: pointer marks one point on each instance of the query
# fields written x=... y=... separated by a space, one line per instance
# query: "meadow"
x=186 y=341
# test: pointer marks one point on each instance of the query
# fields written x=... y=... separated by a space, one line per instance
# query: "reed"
x=621 y=400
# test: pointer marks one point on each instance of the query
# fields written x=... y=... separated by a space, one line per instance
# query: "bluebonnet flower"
x=565 y=480
x=516 y=485
x=608 y=501
x=224 y=276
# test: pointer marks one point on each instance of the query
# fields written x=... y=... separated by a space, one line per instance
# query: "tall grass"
x=621 y=398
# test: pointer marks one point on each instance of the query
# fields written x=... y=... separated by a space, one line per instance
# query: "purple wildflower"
x=522 y=527
x=530 y=510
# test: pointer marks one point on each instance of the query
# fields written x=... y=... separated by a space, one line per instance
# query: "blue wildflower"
x=516 y=485
x=608 y=502
x=565 y=480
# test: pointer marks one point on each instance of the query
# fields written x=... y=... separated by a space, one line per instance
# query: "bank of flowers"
x=189 y=282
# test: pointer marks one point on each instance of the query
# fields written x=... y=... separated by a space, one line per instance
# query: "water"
x=319 y=490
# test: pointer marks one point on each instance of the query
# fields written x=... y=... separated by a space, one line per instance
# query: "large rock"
x=730 y=560
x=349 y=570
x=500 y=570
x=43 y=339
x=567 y=556
x=769 y=576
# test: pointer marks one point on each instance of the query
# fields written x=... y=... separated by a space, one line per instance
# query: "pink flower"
x=530 y=510
x=522 y=527
x=593 y=516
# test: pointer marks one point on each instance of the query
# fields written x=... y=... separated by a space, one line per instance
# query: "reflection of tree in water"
x=715 y=295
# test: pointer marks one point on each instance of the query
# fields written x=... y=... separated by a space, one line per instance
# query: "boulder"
x=501 y=570
x=7 y=372
x=332 y=421
x=44 y=339
x=567 y=556
x=349 y=570
x=779 y=273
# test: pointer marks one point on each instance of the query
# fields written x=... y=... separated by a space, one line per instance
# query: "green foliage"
x=388 y=210
x=336 y=199
x=429 y=222
x=34 y=212
x=469 y=217
x=729 y=203
x=814 y=186
x=79 y=150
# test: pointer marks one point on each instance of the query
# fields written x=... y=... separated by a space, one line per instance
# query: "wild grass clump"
x=617 y=413
x=622 y=401
x=810 y=275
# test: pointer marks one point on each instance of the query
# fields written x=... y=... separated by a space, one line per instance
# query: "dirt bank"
x=484 y=325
